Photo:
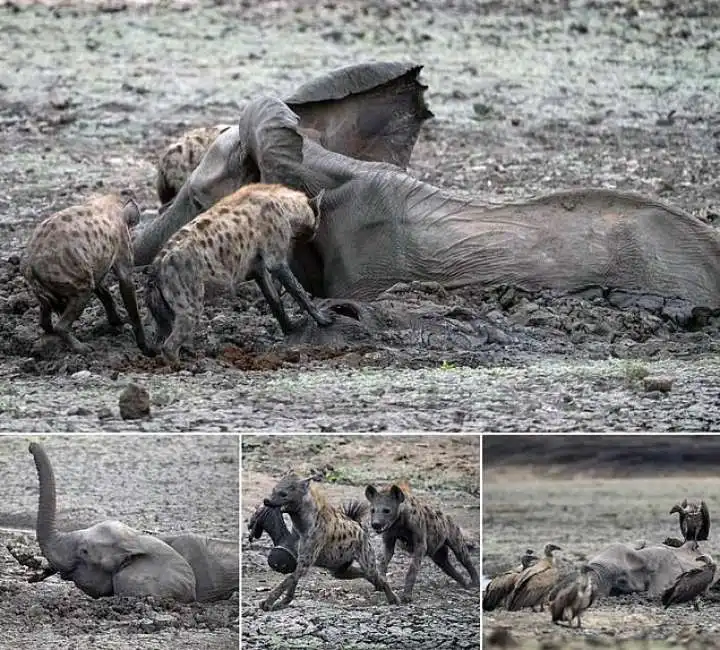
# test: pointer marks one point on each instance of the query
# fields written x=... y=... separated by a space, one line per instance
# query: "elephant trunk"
x=150 y=237
x=48 y=538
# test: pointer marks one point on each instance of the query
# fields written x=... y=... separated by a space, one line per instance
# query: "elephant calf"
x=112 y=559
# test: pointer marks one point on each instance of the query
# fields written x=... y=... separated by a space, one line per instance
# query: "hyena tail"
x=159 y=308
x=355 y=509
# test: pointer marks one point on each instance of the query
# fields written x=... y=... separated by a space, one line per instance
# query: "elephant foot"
x=282 y=558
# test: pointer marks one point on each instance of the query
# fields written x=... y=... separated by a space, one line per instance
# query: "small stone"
x=79 y=410
x=81 y=375
x=134 y=402
x=659 y=384
x=104 y=413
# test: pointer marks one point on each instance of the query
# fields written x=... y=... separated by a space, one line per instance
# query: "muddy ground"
x=581 y=494
x=529 y=97
x=156 y=483
x=327 y=613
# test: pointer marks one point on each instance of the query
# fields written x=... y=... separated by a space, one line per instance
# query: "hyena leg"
x=75 y=307
x=417 y=556
x=442 y=559
x=261 y=275
x=349 y=572
x=287 y=278
x=181 y=335
x=101 y=291
x=46 y=317
x=368 y=566
x=307 y=554
x=127 y=291
x=460 y=549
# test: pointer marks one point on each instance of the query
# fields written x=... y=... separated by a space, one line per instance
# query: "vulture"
x=534 y=584
x=500 y=587
x=573 y=599
x=692 y=584
x=694 y=520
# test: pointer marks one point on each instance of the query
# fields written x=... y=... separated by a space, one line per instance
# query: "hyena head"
x=306 y=224
x=289 y=493
x=384 y=506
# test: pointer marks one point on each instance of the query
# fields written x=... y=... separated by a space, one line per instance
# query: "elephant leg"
x=286 y=277
x=282 y=558
x=150 y=575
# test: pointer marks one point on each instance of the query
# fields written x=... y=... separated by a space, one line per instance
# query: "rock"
x=658 y=383
x=134 y=402
x=81 y=375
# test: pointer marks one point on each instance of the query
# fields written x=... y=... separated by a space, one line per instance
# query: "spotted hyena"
x=180 y=159
x=422 y=529
x=245 y=236
x=68 y=257
x=330 y=537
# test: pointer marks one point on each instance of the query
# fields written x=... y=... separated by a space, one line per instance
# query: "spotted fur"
x=68 y=256
x=330 y=537
x=180 y=159
x=247 y=235
x=423 y=530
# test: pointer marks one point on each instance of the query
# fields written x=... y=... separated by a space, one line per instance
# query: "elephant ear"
x=110 y=545
x=369 y=111
x=273 y=145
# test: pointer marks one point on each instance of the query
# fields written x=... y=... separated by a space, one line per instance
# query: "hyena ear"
x=131 y=213
x=370 y=492
x=315 y=202
x=305 y=483
x=397 y=494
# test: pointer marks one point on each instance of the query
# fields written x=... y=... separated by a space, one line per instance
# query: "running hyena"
x=180 y=159
x=424 y=530
x=245 y=236
x=68 y=256
x=330 y=537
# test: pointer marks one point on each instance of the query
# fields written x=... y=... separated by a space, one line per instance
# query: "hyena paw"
x=272 y=606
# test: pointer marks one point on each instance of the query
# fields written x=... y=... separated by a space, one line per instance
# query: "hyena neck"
x=304 y=519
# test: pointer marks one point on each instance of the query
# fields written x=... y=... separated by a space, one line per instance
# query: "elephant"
x=111 y=558
x=352 y=131
x=626 y=568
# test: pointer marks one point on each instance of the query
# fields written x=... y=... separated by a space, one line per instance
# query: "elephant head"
x=371 y=112
x=110 y=557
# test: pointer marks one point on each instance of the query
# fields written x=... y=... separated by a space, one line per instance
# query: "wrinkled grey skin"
x=625 y=569
x=111 y=558
x=381 y=226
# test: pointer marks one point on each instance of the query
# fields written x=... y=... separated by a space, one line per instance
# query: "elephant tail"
x=157 y=304
x=355 y=510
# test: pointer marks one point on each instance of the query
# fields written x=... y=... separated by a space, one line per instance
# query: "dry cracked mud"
x=529 y=97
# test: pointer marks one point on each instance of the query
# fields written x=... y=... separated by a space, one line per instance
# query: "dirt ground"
x=582 y=494
x=328 y=613
x=529 y=97
x=156 y=483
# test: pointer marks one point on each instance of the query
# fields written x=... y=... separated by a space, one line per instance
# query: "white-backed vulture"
x=694 y=519
x=501 y=586
x=692 y=584
x=573 y=599
x=534 y=583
